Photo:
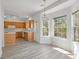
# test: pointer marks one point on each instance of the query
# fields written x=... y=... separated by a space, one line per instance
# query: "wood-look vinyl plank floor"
x=31 y=50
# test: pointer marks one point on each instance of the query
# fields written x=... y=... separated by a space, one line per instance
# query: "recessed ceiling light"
x=5 y=16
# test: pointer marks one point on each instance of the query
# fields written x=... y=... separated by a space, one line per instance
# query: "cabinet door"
x=26 y=36
x=30 y=36
x=31 y=24
x=27 y=24
x=19 y=35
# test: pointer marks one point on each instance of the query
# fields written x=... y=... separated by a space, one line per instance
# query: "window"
x=60 y=27
x=45 y=28
x=76 y=25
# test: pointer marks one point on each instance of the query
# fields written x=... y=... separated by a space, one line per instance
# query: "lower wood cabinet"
x=26 y=36
x=19 y=35
x=9 y=38
x=29 y=36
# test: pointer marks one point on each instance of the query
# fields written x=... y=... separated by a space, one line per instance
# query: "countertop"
x=17 y=30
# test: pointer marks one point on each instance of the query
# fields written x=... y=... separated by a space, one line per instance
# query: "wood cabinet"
x=16 y=24
x=19 y=35
x=29 y=36
x=20 y=24
x=29 y=24
x=9 y=38
x=26 y=36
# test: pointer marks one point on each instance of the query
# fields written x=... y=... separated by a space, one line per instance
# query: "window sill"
x=45 y=36
x=76 y=42
x=60 y=38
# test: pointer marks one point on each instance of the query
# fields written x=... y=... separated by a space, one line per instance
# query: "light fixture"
x=44 y=11
x=14 y=17
x=30 y=18
x=4 y=16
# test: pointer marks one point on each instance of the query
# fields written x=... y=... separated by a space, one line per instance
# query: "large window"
x=76 y=25
x=60 y=27
x=45 y=28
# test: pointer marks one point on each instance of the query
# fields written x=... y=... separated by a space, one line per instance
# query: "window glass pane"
x=76 y=19
x=60 y=27
x=77 y=15
x=45 y=28
x=76 y=26
x=58 y=34
x=76 y=34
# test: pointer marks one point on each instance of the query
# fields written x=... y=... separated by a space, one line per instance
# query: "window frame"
x=75 y=26
x=42 y=28
x=60 y=27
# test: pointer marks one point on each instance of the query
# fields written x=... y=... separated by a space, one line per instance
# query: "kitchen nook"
x=18 y=30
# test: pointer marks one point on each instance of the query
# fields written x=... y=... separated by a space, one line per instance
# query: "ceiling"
x=23 y=7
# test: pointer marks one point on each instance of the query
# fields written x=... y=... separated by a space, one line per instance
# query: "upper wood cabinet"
x=16 y=24
x=8 y=23
x=20 y=24
x=31 y=23
x=27 y=24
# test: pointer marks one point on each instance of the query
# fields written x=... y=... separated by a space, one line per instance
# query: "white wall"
x=15 y=19
x=38 y=33
x=39 y=37
x=1 y=29
x=63 y=43
x=36 y=18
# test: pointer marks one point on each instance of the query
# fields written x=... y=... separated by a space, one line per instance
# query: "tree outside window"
x=45 y=28
x=76 y=25
x=60 y=27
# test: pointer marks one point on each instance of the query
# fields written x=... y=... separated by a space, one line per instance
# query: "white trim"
x=73 y=25
x=60 y=38
x=14 y=20
x=0 y=52
x=61 y=27
x=60 y=7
